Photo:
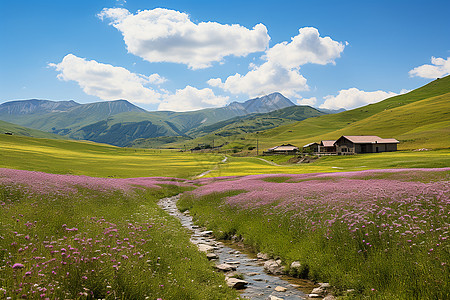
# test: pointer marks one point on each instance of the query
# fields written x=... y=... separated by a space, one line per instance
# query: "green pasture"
x=98 y=160
x=386 y=160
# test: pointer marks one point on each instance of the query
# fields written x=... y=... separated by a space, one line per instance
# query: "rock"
x=319 y=291
x=206 y=233
x=329 y=297
x=233 y=262
x=295 y=265
x=225 y=268
x=258 y=279
x=314 y=296
x=252 y=274
x=212 y=256
x=264 y=256
x=280 y=289
x=272 y=297
x=205 y=248
x=273 y=267
x=236 y=283
x=324 y=285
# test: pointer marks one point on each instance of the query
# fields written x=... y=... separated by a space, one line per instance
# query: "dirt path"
x=268 y=161
x=224 y=160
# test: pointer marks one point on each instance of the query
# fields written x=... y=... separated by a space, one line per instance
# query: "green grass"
x=418 y=119
x=24 y=131
x=86 y=158
x=99 y=245
x=355 y=239
x=386 y=160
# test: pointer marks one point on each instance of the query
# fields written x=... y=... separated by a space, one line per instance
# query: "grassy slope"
x=419 y=119
x=387 y=160
x=400 y=117
x=24 y=131
x=85 y=158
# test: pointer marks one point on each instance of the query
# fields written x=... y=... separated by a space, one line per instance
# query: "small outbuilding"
x=351 y=144
x=283 y=149
x=311 y=147
x=327 y=146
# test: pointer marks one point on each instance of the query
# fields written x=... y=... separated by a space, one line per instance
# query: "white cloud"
x=191 y=98
x=111 y=83
x=353 y=98
x=307 y=101
x=281 y=72
x=163 y=35
x=263 y=80
x=106 y=81
x=440 y=67
x=306 y=47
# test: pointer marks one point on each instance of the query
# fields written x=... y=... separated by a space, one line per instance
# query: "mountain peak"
x=262 y=104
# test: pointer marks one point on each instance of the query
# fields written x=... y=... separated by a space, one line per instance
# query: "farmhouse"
x=283 y=149
x=351 y=144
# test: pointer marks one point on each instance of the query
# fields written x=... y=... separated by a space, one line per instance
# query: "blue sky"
x=186 y=55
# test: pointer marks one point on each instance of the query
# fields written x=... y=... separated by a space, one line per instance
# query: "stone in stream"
x=212 y=256
x=252 y=274
x=225 y=267
x=273 y=267
x=319 y=291
x=329 y=297
x=272 y=297
x=314 y=296
x=205 y=248
x=233 y=262
x=236 y=283
x=280 y=289
x=264 y=256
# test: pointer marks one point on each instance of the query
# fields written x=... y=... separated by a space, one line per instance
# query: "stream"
x=260 y=284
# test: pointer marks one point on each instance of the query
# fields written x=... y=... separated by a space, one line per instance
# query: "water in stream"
x=260 y=284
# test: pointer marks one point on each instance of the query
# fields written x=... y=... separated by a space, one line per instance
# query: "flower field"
x=383 y=233
x=73 y=237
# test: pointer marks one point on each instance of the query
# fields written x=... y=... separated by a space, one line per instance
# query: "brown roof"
x=369 y=139
x=286 y=148
x=328 y=143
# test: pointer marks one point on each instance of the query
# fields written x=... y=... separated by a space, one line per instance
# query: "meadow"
x=381 y=233
x=386 y=160
x=73 y=237
x=99 y=160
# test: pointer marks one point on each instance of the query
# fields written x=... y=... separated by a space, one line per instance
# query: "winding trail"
x=224 y=160
x=268 y=161
x=259 y=284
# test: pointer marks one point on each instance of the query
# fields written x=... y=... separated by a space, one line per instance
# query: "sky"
x=189 y=55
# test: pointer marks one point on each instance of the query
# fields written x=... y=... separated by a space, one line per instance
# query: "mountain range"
x=120 y=122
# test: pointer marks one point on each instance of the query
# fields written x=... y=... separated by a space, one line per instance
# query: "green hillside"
x=98 y=160
x=257 y=122
x=418 y=119
x=14 y=129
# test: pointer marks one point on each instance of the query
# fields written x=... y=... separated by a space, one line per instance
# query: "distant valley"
x=120 y=123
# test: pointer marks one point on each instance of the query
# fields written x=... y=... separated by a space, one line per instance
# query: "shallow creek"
x=260 y=284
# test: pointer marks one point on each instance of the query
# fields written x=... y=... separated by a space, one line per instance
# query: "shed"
x=283 y=149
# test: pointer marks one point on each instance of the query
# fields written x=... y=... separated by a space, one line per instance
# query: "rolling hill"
x=13 y=129
x=120 y=122
x=418 y=119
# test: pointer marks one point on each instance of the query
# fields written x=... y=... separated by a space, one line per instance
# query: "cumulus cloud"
x=191 y=98
x=106 y=81
x=306 y=47
x=307 y=101
x=265 y=79
x=439 y=67
x=353 y=98
x=163 y=35
x=111 y=83
x=281 y=69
